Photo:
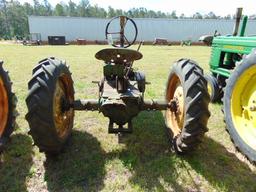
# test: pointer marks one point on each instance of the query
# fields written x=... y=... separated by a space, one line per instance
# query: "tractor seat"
x=118 y=55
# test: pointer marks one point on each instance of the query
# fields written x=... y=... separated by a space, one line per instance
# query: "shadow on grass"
x=154 y=167
x=15 y=163
x=221 y=168
x=148 y=157
x=79 y=168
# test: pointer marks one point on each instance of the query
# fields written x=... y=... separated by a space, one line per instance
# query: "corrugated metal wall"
x=149 y=29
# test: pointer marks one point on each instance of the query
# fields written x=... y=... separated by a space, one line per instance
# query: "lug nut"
x=253 y=108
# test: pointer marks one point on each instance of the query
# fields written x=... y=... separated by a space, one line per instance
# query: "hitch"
x=120 y=128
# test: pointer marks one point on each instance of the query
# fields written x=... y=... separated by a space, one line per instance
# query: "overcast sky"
x=188 y=7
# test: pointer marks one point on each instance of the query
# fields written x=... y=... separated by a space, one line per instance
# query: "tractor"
x=232 y=79
x=51 y=101
x=8 y=111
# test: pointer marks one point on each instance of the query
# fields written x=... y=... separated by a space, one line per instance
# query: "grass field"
x=93 y=160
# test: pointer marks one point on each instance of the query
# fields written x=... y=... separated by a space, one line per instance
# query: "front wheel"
x=186 y=120
x=240 y=106
x=50 y=89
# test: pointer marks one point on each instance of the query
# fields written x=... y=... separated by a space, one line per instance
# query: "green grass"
x=93 y=160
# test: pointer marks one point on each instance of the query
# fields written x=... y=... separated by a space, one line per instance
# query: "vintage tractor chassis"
x=51 y=102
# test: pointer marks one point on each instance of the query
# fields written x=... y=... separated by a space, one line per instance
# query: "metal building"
x=149 y=28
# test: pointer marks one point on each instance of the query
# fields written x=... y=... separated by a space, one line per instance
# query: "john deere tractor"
x=233 y=79
x=7 y=107
x=51 y=101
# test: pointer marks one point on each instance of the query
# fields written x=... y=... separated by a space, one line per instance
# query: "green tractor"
x=51 y=101
x=8 y=111
x=233 y=79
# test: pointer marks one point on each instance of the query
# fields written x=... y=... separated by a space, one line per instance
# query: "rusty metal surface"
x=154 y=104
x=86 y=104
x=111 y=92
x=118 y=55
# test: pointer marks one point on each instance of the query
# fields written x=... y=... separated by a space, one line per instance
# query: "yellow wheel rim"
x=175 y=119
x=243 y=106
x=63 y=119
x=4 y=105
x=209 y=88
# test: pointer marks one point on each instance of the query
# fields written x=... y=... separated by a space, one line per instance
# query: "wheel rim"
x=64 y=93
x=3 y=107
x=175 y=117
x=209 y=88
x=243 y=106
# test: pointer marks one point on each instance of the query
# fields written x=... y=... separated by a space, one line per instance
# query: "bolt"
x=253 y=108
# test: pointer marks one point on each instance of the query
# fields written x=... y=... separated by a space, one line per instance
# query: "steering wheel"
x=124 y=42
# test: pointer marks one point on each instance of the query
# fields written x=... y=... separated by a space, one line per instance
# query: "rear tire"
x=8 y=102
x=50 y=89
x=187 y=89
x=240 y=106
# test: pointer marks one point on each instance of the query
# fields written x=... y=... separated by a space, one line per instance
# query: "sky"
x=188 y=7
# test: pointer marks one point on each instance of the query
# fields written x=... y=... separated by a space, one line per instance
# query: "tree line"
x=14 y=15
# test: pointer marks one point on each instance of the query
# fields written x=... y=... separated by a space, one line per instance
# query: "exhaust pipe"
x=238 y=18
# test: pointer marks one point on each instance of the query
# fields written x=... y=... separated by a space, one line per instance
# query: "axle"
x=121 y=112
x=150 y=104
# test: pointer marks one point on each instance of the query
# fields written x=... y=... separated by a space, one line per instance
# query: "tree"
x=174 y=15
x=18 y=21
x=227 y=16
x=197 y=15
x=59 y=10
x=182 y=16
x=36 y=7
x=82 y=8
x=47 y=8
x=14 y=20
x=151 y=14
x=111 y=12
x=72 y=9
x=5 y=19
x=119 y=12
x=211 y=15
x=28 y=8
x=96 y=11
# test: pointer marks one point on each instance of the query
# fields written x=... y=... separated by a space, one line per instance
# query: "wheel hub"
x=63 y=116
x=175 y=113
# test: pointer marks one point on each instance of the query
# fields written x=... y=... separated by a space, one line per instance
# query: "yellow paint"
x=243 y=106
x=210 y=91
x=240 y=48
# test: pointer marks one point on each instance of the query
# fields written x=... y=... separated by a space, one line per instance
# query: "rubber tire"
x=215 y=96
x=40 y=105
x=239 y=143
x=196 y=113
x=12 y=112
